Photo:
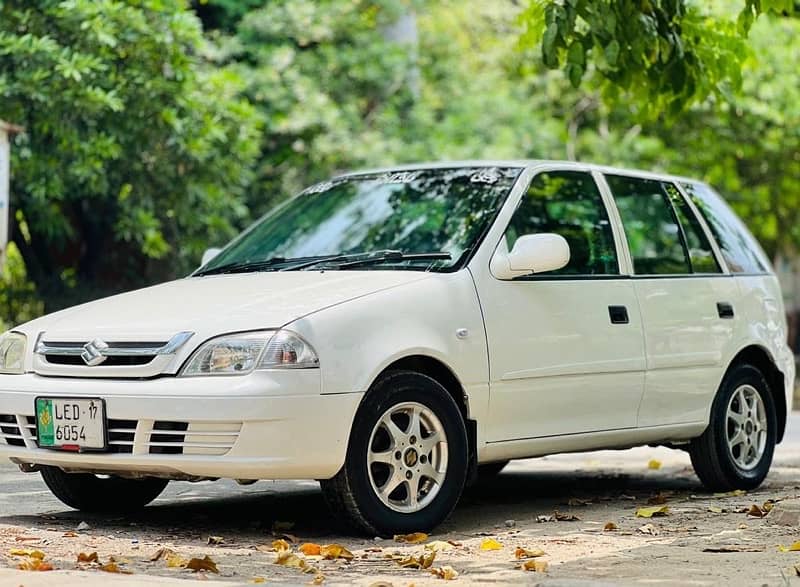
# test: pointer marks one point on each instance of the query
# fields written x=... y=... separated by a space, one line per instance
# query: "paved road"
x=612 y=483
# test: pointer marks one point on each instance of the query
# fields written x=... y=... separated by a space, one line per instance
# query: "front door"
x=565 y=348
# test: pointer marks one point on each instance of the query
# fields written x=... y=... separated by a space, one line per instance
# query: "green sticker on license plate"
x=44 y=422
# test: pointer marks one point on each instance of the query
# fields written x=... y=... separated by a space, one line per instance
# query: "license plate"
x=71 y=423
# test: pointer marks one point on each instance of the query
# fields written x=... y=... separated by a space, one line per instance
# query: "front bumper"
x=266 y=425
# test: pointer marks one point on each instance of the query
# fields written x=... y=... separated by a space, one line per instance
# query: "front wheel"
x=735 y=451
x=90 y=493
x=406 y=460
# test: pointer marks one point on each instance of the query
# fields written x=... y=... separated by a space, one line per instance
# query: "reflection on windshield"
x=415 y=211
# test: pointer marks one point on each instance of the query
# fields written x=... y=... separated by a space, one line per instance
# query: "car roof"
x=524 y=163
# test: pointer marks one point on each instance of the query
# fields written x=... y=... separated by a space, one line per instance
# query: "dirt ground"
x=703 y=539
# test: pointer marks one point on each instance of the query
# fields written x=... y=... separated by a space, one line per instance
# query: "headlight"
x=239 y=354
x=12 y=353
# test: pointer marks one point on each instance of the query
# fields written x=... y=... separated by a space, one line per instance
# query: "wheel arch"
x=761 y=358
x=446 y=377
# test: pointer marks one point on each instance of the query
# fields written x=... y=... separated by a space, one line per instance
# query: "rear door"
x=688 y=305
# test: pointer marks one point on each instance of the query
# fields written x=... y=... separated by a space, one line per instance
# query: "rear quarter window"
x=740 y=249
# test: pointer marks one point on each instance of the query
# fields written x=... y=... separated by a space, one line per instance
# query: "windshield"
x=436 y=214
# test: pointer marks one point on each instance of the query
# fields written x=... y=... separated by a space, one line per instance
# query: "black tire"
x=712 y=459
x=488 y=471
x=89 y=493
x=350 y=493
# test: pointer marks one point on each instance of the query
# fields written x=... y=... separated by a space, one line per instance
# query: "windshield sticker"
x=319 y=187
x=399 y=177
x=489 y=176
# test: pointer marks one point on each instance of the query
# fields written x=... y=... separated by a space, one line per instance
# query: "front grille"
x=109 y=362
x=121 y=435
x=164 y=438
x=9 y=429
x=170 y=441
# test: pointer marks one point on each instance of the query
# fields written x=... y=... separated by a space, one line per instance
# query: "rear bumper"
x=267 y=425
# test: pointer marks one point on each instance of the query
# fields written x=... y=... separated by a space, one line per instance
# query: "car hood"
x=214 y=305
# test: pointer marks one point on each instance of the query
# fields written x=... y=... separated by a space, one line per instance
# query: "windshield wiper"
x=246 y=267
x=397 y=256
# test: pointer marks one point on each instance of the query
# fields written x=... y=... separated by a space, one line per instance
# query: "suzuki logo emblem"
x=92 y=353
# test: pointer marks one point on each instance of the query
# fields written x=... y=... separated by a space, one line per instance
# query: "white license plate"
x=71 y=423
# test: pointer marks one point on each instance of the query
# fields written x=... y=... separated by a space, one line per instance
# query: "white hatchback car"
x=393 y=332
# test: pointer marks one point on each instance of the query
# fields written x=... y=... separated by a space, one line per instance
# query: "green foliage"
x=663 y=54
x=134 y=154
x=17 y=294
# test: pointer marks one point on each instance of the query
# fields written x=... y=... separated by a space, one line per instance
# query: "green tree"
x=665 y=54
x=135 y=153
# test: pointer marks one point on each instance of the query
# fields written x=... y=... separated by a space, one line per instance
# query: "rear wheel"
x=406 y=460
x=735 y=451
x=90 y=493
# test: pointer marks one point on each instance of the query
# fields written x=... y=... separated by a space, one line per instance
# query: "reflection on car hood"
x=214 y=305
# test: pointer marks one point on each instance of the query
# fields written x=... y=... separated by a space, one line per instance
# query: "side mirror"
x=209 y=255
x=532 y=253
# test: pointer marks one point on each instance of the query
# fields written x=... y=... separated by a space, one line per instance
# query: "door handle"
x=725 y=310
x=618 y=314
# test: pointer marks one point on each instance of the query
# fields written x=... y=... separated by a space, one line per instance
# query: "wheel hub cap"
x=407 y=457
x=746 y=427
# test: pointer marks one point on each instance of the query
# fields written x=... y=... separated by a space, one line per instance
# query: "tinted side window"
x=741 y=251
x=652 y=230
x=568 y=203
x=700 y=252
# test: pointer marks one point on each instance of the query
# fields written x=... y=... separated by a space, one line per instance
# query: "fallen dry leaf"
x=542 y=519
x=657 y=499
x=87 y=558
x=735 y=548
x=528 y=553
x=175 y=561
x=281 y=544
x=318 y=580
x=610 y=527
x=310 y=549
x=423 y=561
x=534 y=565
x=654 y=464
x=161 y=553
x=734 y=493
x=286 y=558
x=715 y=510
x=565 y=517
x=258 y=580
x=768 y=505
x=652 y=512
x=26 y=538
x=447 y=573
x=334 y=551
x=439 y=545
x=202 y=564
x=756 y=512
x=490 y=544
x=215 y=540
x=113 y=567
x=413 y=538
x=792 y=548
x=35 y=564
x=70 y=534
x=648 y=529
x=38 y=554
